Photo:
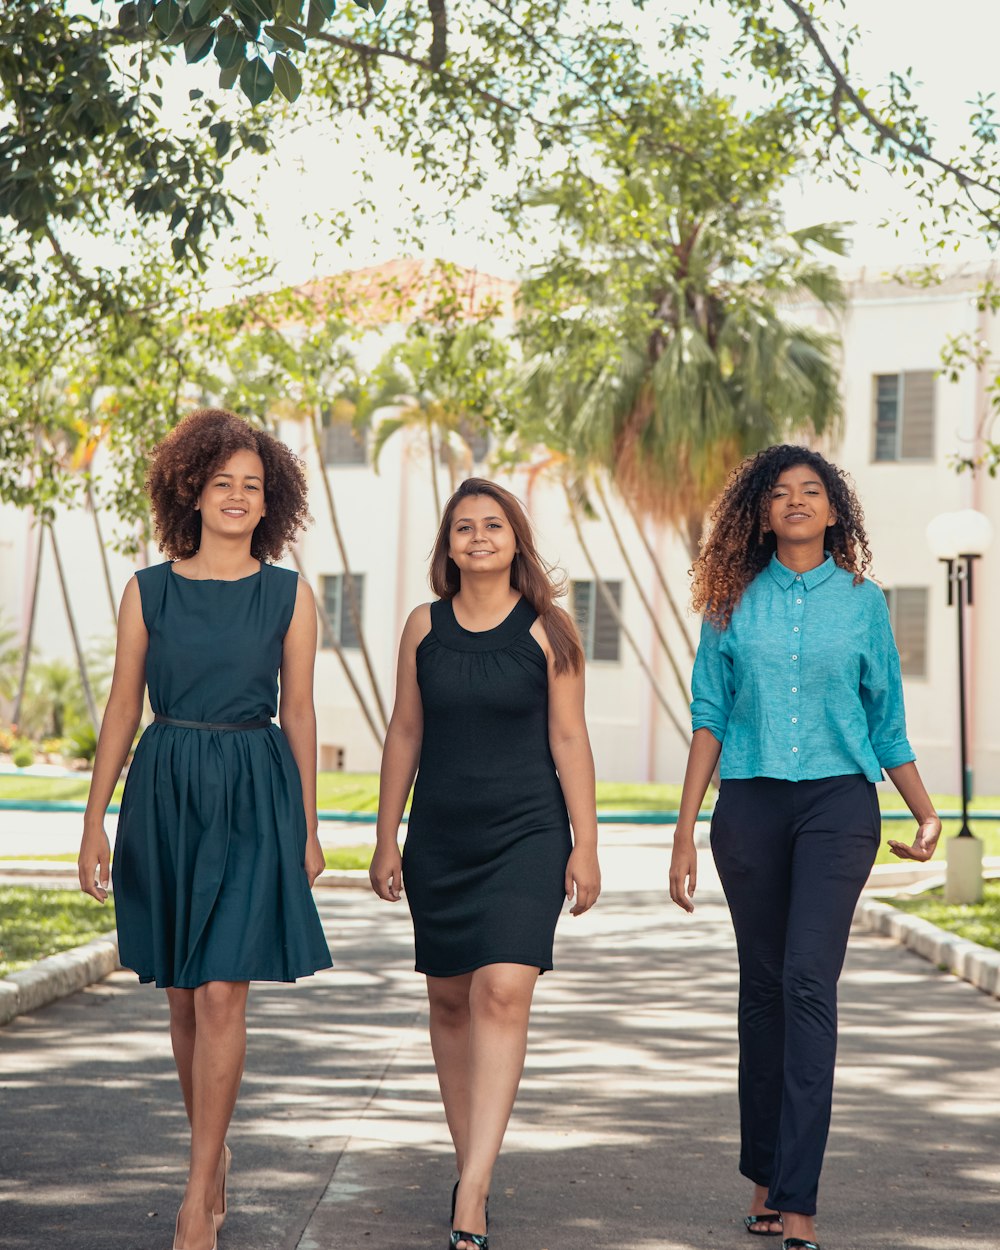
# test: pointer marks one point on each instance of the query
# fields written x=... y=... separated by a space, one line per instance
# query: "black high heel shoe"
x=454 y=1195
x=480 y=1240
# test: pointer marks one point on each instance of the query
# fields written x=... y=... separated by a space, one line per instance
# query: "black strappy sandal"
x=797 y=1243
x=481 y=1240
x=771 y=1217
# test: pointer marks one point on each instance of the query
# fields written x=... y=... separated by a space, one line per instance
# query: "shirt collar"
x=786 y=577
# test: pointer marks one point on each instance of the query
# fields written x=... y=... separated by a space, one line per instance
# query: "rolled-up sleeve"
x=712 y=686
x=882 y=689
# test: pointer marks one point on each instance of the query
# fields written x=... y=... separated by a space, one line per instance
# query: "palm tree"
x=448 y=383
x=659 y=338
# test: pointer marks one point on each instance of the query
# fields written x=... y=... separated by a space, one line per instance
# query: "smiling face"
x=232 y=501
x=480 y=538
x=800 y=510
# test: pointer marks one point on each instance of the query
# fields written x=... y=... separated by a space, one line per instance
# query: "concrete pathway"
x=625 y=1133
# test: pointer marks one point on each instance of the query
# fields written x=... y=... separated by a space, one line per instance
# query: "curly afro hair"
x=196 y=448
x=740 y=543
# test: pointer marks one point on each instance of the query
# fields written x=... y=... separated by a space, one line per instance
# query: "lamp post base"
x=964 y=876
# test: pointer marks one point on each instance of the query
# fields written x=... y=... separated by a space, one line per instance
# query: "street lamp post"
x=958 y=539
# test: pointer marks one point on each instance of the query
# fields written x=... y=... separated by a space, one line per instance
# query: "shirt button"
x=795 y=657
x=798 y=600
x=795 y=720
x=798 y=578
x=795 y=690
x=795 y=629
x=795 y=750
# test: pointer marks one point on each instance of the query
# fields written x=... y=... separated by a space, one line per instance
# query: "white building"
x=903 y=424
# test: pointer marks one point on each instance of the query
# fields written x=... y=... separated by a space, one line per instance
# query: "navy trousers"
x=793 y=857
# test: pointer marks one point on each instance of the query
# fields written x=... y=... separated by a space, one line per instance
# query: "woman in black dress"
x=489 y=705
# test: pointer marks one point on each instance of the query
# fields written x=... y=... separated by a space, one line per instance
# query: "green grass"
x=344 y=857
x=979 y=922
x=35 y=923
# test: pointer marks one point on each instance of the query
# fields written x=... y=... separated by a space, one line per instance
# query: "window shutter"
x=330 y=587
x=917 y=441
x=348 y=634
x=606 y=632
x=582 y=595
x=342 y=444
x=910 y=627
x=886 y=415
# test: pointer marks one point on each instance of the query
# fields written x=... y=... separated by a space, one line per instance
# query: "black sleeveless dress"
x=488 y=839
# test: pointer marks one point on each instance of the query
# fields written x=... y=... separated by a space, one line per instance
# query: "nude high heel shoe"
x=220 y=1216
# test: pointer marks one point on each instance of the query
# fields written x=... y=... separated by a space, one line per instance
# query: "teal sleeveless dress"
x=208 y=871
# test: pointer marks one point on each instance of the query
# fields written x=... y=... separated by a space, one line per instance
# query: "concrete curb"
x=56 y=976
x=979 y=965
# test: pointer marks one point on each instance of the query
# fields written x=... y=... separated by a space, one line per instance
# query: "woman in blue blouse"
x=797 y=686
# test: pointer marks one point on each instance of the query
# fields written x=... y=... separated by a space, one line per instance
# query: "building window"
x=598 y=627
x=904 y=416
x=338 y=609
x=908 y=614
x=343 y=444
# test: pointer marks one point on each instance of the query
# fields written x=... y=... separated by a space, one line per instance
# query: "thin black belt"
x=209 y=724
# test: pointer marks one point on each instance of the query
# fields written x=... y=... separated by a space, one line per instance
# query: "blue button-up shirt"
x=804 y=682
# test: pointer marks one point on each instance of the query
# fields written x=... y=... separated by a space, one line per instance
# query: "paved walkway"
x=624 y=1134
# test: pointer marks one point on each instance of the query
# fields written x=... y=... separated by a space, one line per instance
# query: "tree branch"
x=844 y=89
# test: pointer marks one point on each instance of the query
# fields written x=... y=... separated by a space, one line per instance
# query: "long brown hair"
x=739 y=543
x=537 y=581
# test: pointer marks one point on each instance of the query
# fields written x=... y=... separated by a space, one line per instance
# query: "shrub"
x=22 y=753
x=81 y=742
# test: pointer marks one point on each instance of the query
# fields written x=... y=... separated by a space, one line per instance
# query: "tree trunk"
x=351 y=594
x=619 y=620
x=327 y=626
x=667 y=593
x=22 y=680
x=643 y=597
x=105 y=566
x=81 y=663
x=434 y=475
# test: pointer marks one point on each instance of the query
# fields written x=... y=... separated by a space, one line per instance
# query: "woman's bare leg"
x=210 y=1067
x=449 y=1019
x=499 y=1006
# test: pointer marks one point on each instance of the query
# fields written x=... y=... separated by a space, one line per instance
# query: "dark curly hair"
x=197 y=447
x=740 y=543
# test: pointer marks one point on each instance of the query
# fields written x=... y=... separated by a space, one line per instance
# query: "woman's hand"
x=315 y=860
x=583 y=878
x=923 y=845
x=94 y=864
x=683 y=872
x=386 y=873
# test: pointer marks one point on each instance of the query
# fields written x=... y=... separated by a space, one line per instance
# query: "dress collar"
x=786 y=577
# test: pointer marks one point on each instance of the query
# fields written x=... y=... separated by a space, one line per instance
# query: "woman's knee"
x=502 y=993
x=182 y=1010
x=220 y=1002
x=449 y=1003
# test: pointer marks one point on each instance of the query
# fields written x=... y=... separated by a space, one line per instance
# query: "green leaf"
x=285 y=35
x=256 y=81
x=291 y=10
x=377 y=6
x=256 y=10
x=222 y=132
x=231 y=48
x=198 y=44
x=326 y=7
x=287 y=78
x=229 y=75
x=178 y=247
x=166 y=15
x=198 y=10
x=315 y=19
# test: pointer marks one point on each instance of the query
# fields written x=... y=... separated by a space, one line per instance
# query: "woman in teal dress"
x=217 y=845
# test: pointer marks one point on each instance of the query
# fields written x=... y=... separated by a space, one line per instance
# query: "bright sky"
x=315 y=173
